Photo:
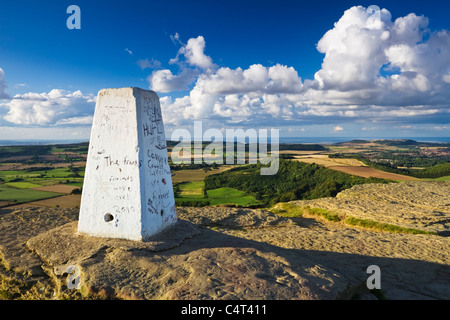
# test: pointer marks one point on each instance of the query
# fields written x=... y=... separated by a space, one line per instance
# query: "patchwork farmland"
x=52 y=176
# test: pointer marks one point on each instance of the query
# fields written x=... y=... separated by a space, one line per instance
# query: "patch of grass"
x=192 y=193
x=22 y=185
x=75 y=184
x=230 y=196
x=374 y=225
x=327 y=215
x=56 y=173
x=57 y=149
x=192 y=189
x=9 y=175
x=446 y=178
x=24 y=195
x=287 y=210
x=225 y=193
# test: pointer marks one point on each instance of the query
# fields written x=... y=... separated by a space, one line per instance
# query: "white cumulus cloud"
x=374 y=68
x=194 y=53
x=194 y=63
x=257 y=78
x=353 y=51
x=390 y=68
x=165 y=81
x=52 y=108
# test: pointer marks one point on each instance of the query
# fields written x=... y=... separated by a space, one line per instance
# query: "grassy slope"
x=8 y=193
x=230 y=195
x=194 y=190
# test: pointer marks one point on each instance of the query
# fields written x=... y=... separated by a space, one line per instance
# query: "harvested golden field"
x=367 y=172
x=348 y=149
x=351 y=166
x=324 y=160
x=196 y=174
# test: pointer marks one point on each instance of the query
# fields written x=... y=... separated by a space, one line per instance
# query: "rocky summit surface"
x=421 y=205
x=237 y=253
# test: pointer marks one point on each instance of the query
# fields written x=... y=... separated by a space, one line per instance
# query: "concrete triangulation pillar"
x=127 y=191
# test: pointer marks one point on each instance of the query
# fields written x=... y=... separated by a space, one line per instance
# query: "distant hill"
x=396 y=143
x=356 y=141
x=301 y=147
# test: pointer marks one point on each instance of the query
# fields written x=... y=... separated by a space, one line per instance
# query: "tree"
x=76 y=191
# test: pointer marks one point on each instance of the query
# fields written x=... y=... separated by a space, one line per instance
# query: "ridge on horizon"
x=282 y=140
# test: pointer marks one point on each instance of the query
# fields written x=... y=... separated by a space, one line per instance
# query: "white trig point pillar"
x=127 y=191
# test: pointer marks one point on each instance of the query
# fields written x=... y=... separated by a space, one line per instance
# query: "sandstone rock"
x=230 y=253
x=421 y=205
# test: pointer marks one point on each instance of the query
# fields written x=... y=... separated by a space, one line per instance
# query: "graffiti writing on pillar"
x=153 y=121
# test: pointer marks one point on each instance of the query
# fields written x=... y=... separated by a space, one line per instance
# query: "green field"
x=76 y=184
x=17 y=184
x=40 y=177
x=192 y=189
x=17 y=195
x=201 y=184
x=23 y=185
x=192 y=193
x=37 y=169
x=446 y=178
x=230 y=196
x=9 y=175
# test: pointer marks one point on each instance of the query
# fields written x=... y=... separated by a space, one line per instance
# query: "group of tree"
x=437 y=171
x=293 y=181
x=33 y=150
x=193 y=166
x=192 y=202
x=301 y=147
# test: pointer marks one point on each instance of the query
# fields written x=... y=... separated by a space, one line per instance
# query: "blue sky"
x=249 y=64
